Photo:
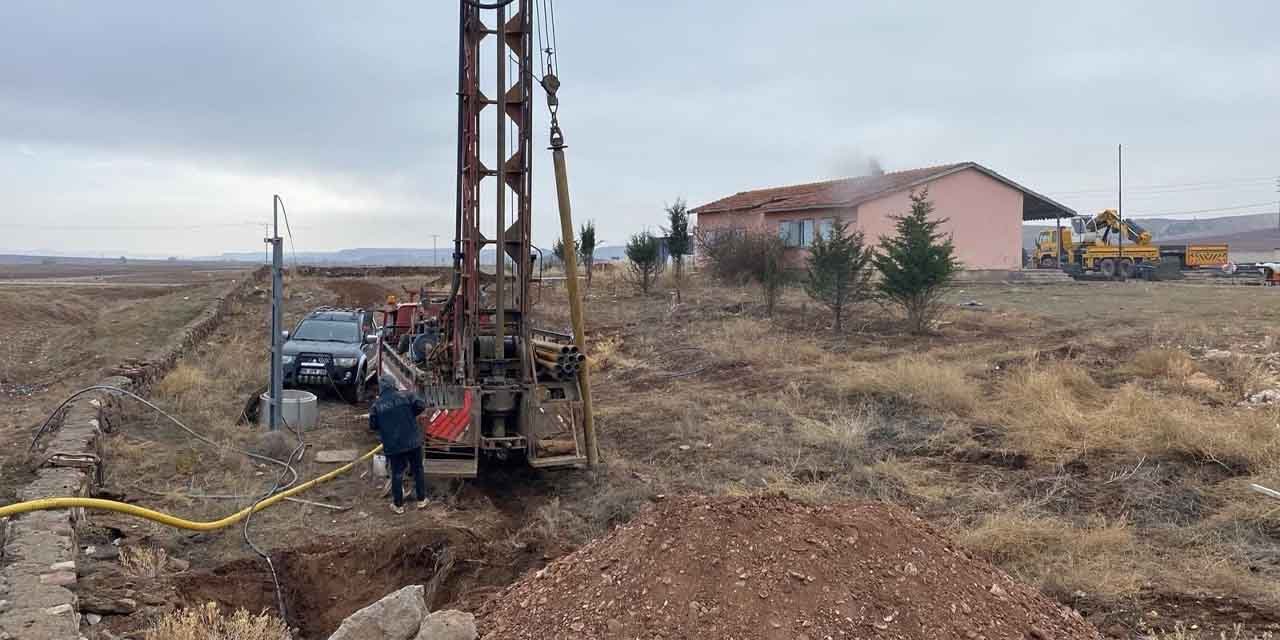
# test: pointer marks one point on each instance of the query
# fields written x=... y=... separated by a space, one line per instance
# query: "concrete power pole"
x=277 y=307
x=435 y=260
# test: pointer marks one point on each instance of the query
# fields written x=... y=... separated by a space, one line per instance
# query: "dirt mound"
x=771 y=568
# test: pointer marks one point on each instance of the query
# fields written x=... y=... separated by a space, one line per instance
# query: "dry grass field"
x=1093 y=440
x=60 y=334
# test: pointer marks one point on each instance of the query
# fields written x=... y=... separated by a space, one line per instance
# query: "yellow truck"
x=1087 y=242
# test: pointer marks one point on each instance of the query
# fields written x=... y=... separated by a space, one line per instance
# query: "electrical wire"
x=292 y=250
x=169 y=520
x=104 y=387
x=1171 y=185
x=280 y=483
x=1214 y=210
x=487 y=5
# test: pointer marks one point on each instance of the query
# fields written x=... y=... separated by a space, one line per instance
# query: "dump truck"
x=1087 y=243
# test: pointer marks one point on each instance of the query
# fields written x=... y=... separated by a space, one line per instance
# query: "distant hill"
x=373 y=256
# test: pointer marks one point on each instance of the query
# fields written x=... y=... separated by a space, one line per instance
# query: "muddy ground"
x=712 y=397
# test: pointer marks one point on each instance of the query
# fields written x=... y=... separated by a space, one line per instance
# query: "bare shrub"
x=144 y=562
x=209 y=623
x=751 y=256
x=1241 y=375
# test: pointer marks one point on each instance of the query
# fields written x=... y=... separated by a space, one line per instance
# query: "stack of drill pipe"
x=557 y=359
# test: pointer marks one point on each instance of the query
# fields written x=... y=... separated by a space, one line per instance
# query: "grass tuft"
x=209 y=623
x=144 y=562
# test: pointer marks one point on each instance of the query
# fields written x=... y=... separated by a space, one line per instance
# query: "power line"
x=82 y=227
x=1173 y=186
x=1214 y=210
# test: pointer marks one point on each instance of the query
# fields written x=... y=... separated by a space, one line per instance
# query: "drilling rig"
x=500 y=389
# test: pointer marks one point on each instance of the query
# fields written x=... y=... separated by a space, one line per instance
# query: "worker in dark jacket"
x=395 y=417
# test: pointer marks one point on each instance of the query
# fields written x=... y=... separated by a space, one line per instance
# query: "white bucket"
x=380 y=466
x=298 y=408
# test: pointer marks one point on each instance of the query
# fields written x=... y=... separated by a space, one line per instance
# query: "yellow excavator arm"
x=1108 y=222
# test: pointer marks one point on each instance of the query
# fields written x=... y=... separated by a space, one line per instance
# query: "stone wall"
x=38 y=566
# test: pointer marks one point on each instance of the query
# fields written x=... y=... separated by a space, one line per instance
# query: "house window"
x=826 y=227
x=798 y=233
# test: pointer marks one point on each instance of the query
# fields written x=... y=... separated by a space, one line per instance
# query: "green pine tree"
x=917 y=264
x=837 y=270
x=587 y=248
x=679 y=243
x=642 y=260
x=557 y=250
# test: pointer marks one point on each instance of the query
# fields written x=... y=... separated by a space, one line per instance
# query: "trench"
x=325 y=582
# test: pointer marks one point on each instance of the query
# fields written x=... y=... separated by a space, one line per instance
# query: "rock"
x=179 y=565
x=59 y=578
x=92 y=618
x=395 y=617
x=337 y=455
x=1266 y=396
x=998 y=591
x=107 y=606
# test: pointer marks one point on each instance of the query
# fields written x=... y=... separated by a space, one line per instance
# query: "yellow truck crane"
x=1088 y=243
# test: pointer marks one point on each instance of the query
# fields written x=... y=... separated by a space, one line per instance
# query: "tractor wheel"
x=1046 y=262
x=1126 y=268
x=1108 y=267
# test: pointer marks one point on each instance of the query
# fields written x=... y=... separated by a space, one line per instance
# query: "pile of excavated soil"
x=771 y=568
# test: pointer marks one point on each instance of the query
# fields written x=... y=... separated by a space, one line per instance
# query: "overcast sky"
x=164 y=127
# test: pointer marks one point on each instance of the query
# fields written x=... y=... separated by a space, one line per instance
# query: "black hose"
x=104 y=387
x=279 y=485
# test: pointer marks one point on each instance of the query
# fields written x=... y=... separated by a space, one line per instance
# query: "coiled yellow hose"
x=47 y=504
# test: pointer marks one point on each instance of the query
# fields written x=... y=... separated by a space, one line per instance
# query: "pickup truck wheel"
x=357 y=392
x=1046 y=262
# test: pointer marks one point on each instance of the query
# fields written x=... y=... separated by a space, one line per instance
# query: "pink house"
x=984 y=210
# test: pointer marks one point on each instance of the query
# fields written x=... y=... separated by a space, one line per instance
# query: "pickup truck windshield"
x=328 y=331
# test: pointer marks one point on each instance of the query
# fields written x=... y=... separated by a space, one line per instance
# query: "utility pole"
x=277 y=305
x=434 y=259
x=1120 y=204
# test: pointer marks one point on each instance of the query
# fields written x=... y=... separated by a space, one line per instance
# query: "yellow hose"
x=46 y=504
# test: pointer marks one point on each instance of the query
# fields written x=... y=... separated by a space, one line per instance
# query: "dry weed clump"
x=1097 y=558
x=844 y=433
x=144 y=562
x=1058 y=413
x=209 y=623
x=919 y=380
x=1173 y=365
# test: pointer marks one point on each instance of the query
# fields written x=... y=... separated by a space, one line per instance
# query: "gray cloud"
x=148 y=113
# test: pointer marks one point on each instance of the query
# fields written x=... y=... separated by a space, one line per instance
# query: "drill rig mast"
x=482 y=363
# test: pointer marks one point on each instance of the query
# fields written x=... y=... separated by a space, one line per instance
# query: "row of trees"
x=644 y=250
x=915 y=266
x=586 y=249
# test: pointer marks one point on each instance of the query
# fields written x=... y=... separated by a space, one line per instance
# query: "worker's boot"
x=422 y=504
x=397 y=510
